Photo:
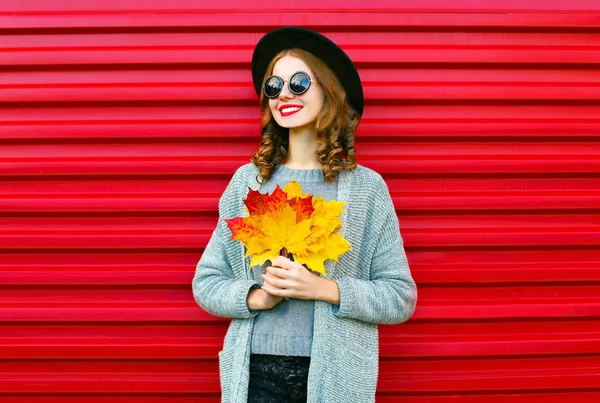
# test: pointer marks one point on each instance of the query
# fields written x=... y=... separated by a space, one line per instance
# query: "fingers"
x=277 y=292
x=270 y=288
x=275 y=281
x=283 y=281
x=280 y=261
x=278 y=272
x=283 y=262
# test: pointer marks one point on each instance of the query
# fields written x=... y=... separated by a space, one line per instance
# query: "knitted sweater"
x=287 y=328
x=374 y=280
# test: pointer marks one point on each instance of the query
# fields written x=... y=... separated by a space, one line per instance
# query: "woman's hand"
x=260 y=299
x=292 y=280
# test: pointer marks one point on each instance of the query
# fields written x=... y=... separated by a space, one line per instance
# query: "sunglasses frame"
x=288 y=81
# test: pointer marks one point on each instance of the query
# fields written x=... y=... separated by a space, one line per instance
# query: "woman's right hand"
x=259 y=299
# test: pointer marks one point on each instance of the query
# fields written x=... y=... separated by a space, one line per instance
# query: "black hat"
x=331 y=54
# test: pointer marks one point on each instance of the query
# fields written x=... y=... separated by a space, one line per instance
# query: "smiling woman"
x=310 y=111
x=304 y=330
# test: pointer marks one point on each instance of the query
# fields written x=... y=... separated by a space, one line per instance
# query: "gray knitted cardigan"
x=376 y=287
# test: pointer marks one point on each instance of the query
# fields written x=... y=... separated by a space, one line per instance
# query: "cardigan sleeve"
x=390 y=296
x=215 y=288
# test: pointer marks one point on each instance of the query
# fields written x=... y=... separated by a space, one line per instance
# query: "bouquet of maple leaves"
x=287 y=222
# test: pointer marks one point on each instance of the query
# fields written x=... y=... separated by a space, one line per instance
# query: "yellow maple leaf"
x=293 y=189
x=281 y=230
x=327 y=215
x=335 y=246
x=330 y=248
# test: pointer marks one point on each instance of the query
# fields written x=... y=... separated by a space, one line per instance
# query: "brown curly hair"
x=336 y=125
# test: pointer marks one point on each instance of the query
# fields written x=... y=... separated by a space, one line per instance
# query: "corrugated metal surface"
x=121 y=123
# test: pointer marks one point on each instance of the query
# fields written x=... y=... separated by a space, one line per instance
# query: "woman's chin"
x=289 y=123
x=293 y=125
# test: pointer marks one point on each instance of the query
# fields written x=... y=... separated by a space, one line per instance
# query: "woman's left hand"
x=291 y=280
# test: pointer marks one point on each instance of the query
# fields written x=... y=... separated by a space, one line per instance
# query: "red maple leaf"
x=258 y=203
x=303 y=207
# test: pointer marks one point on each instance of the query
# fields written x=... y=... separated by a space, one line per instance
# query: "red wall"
x=121 y=123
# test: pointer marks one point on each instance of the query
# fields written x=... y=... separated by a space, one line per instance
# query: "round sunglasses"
x=298 y=84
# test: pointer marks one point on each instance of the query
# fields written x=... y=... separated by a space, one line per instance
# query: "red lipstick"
x=282 y=107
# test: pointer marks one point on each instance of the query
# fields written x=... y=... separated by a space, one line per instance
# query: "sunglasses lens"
x=273 y=86
x=299 y=83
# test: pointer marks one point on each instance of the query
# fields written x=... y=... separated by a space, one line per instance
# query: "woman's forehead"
x=288 y=65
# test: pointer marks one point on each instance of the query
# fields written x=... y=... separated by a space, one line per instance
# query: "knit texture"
x=287 y=328
x=374 y=279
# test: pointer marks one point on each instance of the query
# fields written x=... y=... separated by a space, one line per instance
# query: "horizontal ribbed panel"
x=121 y=123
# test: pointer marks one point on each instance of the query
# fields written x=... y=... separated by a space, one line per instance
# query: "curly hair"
x=335 y=125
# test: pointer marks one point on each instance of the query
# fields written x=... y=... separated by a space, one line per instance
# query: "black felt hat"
x=331 y=54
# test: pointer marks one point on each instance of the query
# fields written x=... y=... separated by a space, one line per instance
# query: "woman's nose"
x=285 y=92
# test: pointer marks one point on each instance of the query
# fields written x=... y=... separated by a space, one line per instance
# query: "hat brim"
x=319 y=45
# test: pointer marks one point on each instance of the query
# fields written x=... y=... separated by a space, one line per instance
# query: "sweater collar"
x=285 y=174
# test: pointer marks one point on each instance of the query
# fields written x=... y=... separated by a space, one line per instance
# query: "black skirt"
x=278 y=379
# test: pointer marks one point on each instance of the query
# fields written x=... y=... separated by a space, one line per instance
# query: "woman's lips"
x=291 y=112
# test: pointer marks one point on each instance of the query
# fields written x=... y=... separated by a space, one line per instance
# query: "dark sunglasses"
x=298 y=84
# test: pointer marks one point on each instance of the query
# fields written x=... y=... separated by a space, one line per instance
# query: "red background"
x=121 y=123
